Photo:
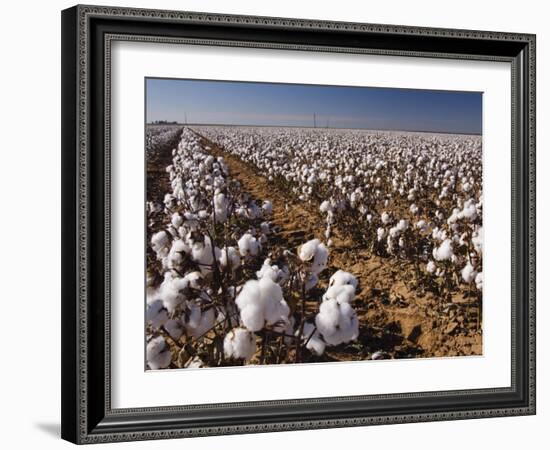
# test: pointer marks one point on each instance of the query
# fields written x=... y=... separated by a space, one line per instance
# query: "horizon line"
x=462 y=133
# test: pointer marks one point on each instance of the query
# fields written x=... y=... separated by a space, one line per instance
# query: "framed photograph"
x=279 y=224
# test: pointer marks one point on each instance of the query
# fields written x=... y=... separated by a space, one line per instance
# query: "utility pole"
x=314 y=121
x=185 y=118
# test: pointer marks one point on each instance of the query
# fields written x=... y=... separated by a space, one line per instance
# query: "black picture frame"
x=87 y=32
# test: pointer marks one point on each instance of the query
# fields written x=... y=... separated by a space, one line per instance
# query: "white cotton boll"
x=229 y=256
x=160 y=242
x=193 y=280
x=468 y=273
x=267 y=208
x=267 y=270
x=402 y=225
x=239 y=343
x=221 y=206
x=380 y=234
x=248 y=245
x=169 y=293
x=394 y=232
x=369 y=218
x=315 y=343
x=401 y=242
x=341 y=278
x=254 y=211
x=307 y=250
x=158 y=353
x=315 y=253
x=320 y=260
x=479 y=281
x=477 y=240
x=385 y=217
x=174 y=327
x=469 y=211
x=430 y=267
x=337 y=322
x=198 y=321
x=444 y=251
x=413 y=209
x=261 y=302
x=252 y=316
x=177 y=220
x=203 y=254
x=341 y=293
x=156 y=314
x=265 y=228
x=325 y=206
x=175 y=255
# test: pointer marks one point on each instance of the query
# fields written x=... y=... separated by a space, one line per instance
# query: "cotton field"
x=289 y=245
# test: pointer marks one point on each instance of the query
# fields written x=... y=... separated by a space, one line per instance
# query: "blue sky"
x=238 y=103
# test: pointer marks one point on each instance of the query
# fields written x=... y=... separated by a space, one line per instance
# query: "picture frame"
x=87 y=35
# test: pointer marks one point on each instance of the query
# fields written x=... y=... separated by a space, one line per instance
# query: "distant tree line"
x=164 y=122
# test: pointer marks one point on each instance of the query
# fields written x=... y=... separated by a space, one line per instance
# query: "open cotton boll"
x=249 y=245
x=320 y=260
x=198 y=321
x=169 y=293
x=267 y=208
x=337 y=322
x=175 y=255
x=220 y=207
x=177 y=220
x=158 y=353
x=174 y=327
x=261 y=303
x=430 y=267
x=160 y=242
x=341 y=278
x=239 y=343
x=315 y=253
x=380 y=234
x=444 y=251
x=307 y=250
x=385 y=217
x=229 y=256
x=402 y=225
x=325 y=206
x=156 y=314
x=315 y=343
x=272 y=271
x=477 y=240
x=265 y=228
x=341 y=293
x=479 y=281
x=413 y=209
x=468 y=273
